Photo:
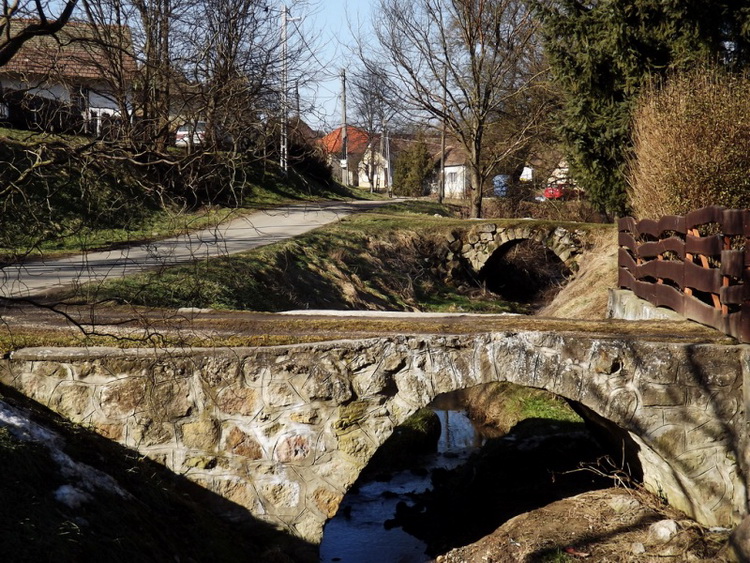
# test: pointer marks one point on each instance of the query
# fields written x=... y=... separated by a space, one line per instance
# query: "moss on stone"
x=349 y=416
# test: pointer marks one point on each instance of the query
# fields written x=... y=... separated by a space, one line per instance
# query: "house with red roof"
x=346 y=166
x=364 y=164
x=357 y=141
x=69 y=80
x=367 y=167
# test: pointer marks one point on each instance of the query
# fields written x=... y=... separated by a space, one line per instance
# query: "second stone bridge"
x=475 y=246
x=283 y=432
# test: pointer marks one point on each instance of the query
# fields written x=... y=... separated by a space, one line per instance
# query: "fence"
x=697 y=265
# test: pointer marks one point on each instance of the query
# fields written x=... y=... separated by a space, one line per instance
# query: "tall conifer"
x=602 y=52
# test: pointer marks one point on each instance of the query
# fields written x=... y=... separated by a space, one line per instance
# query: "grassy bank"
x=505 y=405
x=388 y=259
x=158 y=222
x=68 y=194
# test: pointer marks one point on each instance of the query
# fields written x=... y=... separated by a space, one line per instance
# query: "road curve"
x=37 y=278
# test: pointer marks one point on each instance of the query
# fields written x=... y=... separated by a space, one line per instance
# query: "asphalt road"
x=39 y=277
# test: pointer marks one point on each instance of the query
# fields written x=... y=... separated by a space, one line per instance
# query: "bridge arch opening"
x=528 y=459
x=525 y=271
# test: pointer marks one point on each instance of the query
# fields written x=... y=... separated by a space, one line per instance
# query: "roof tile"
x=72 y=53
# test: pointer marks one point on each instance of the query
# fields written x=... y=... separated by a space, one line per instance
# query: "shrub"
x=691 y=144
x=578 y=210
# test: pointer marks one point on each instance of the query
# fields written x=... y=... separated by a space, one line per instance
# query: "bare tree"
x=483 y=56
x=229 y=54
x=22 y=20
x=374 y=108
x=156 y=19
x=144 y=31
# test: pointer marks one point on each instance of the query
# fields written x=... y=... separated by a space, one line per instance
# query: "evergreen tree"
x=601 y=53
x=412 y=169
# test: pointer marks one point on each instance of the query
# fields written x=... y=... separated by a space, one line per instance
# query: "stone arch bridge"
x=284 y=431
x=475 y=246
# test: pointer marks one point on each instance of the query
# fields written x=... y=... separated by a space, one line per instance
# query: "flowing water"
x=360 y=533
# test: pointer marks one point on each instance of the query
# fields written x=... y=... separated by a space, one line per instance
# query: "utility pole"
x=296 y=95
x=344 y=139
x=382 y=153
x=388 y=177
x=284 y=150
x=441 y=186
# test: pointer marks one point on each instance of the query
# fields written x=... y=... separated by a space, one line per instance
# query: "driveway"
x=245 y=233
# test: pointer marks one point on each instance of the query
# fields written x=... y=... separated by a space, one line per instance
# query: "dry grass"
x=691 y=139
x=129 y=327
x=603 y=525
x=586 y=295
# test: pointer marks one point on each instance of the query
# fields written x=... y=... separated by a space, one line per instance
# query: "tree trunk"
x=475 y=190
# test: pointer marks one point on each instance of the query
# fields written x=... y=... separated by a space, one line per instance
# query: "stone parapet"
x=626 y=305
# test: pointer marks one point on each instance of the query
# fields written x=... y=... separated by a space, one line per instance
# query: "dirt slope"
x=609 y=525
x=585 y=296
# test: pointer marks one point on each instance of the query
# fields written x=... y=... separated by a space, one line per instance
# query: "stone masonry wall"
x=476 y=245
x=283 y=432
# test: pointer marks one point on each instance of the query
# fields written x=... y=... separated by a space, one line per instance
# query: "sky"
x=330 y=21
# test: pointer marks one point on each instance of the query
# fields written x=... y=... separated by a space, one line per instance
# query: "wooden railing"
x=697 y=265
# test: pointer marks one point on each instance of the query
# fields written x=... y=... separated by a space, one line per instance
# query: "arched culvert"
x=624 y=452
x=532 y=458
x=525 y=271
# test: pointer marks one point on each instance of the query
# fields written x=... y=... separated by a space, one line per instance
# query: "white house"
x=560 y=175
x=67 y=80
x=527 y=174
x=375 y=164
x=456 y=176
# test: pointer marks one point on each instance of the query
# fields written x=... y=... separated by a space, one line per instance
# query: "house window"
x=80 y=99
x=452 y=177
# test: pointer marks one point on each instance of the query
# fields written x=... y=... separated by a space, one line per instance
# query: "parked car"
x=191 y=134
x=561 y=192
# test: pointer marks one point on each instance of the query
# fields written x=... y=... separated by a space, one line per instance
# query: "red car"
x=559 y=191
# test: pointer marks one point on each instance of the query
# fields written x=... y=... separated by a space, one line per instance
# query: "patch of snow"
x=83 y=479
x=71 y=496
x=23 y=429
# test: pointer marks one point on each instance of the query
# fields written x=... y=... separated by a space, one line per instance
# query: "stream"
x=361 y=531
x=411 y=516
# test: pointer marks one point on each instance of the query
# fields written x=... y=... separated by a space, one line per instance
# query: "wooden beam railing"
x=697 y=265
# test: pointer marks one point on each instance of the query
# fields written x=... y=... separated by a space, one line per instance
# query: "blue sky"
x=330 y=20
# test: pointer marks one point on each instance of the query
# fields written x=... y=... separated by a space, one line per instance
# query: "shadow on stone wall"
x=93 y=499
x=701 y=388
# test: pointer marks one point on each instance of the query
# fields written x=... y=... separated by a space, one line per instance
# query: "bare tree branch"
x=21 y=21
x=485 y=57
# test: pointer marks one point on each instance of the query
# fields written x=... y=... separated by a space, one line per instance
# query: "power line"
x=330 y=74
